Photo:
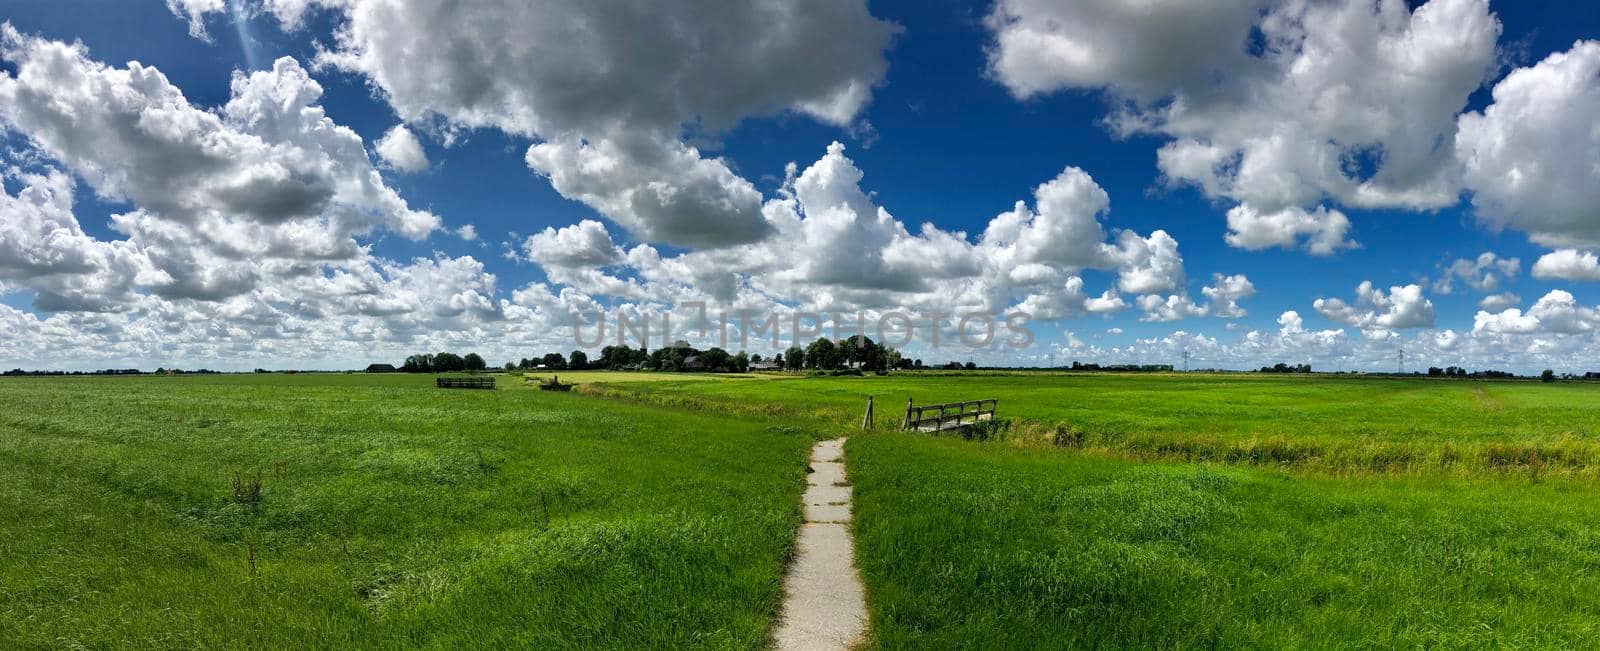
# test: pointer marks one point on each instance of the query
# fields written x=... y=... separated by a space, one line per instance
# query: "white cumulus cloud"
x=1322 y=232
x=1567 y=264
x=1557 y=312
x=610 y=89
x=401 y=150
x=1532 y=158
x=1402 y=307
x=1225 y=292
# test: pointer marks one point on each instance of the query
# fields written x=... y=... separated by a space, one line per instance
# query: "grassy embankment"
x=390 y=514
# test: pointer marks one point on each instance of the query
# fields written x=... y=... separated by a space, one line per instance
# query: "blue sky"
x=946 y=136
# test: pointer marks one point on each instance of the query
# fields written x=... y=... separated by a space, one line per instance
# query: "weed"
x=247 y=491
x=544 y=508
x=985 y=430
x=250 y=558
x=1066 y=436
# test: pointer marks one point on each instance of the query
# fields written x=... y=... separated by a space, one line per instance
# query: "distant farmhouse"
x=381 y=368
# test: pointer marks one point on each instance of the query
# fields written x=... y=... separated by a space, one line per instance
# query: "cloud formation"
x=1320 y=232
x=1567 y=264
x=1277 y=105
x=1225 y=292
x=1532 y=158
x=1373 y=311
x=401 y=150
x=246 y=225
x=1557 y=312
x=246 y=236
x=1484 y=273
x=610 y=89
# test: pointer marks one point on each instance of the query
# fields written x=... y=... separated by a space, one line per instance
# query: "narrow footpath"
x=823 y=606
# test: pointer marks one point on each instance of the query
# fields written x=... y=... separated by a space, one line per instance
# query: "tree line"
x=443 y=363
x=856 y=352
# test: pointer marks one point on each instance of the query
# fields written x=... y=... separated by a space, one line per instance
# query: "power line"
x=1401 y=366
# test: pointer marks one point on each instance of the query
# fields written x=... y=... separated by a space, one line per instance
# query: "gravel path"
x=823 y=607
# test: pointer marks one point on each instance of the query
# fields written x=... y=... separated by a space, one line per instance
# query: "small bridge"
x=464 y=382
x=948 y=416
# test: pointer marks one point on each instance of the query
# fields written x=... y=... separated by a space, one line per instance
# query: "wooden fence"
x=464 y=382
x=948 y=416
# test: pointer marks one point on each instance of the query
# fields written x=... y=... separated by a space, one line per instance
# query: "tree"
x=578 y=360
x=511 y=366
x=850 y=350
x=971 y=366
x=1434 y=371
x=666 y=359
x=553 y=361
x=474 y=362
x=822 y=354
x=1547 y=376
x=740 y=362
x=715 y=359
x=418 y=364
x=755 y=358
x=448 y=363
x=616 y=357
x=794 y=358
x=861 y=349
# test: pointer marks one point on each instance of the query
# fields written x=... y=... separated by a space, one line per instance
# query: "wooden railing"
x=948 y=416
x=464 y=382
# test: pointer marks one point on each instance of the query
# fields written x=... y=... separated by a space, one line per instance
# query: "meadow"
x=964 y=544
x=1214 y=511
x=1330 y=423
x=389 y=514
x=658 y=510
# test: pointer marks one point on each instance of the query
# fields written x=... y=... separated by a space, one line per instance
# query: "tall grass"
x=996 y=546
x=333 y=511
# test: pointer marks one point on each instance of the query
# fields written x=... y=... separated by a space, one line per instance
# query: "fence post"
x=905 y=423
x=866 y=421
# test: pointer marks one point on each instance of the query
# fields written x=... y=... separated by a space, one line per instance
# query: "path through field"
x=823 y=607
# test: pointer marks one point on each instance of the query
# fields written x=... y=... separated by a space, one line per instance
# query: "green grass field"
x=964 y=544
x=1340 y=424
x=1198 y=511
x=1207 y=511
x=392 y=514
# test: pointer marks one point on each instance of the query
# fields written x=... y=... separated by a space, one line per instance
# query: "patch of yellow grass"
x=1483 y=400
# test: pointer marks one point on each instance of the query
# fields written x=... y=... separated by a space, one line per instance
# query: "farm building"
x=381 y=368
